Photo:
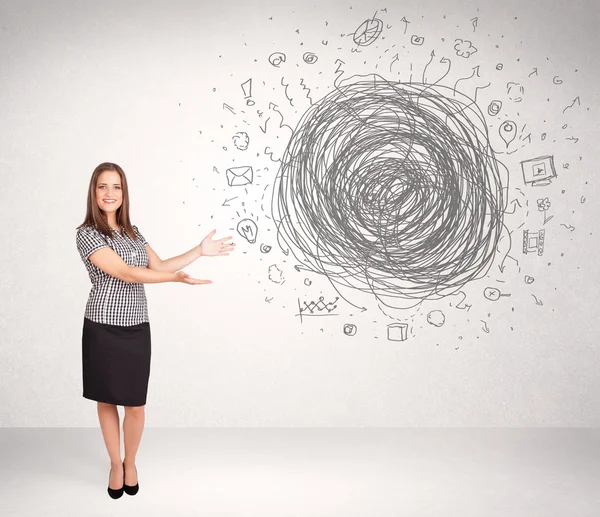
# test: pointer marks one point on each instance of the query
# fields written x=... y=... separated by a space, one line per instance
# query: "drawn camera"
x=417 y=40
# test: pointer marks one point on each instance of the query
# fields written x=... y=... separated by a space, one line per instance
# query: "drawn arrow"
x=425 y=69
x=576 y=100
x=225 y=203
x=406 y=22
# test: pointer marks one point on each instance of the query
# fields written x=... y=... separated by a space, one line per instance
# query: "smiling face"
x=109 y=192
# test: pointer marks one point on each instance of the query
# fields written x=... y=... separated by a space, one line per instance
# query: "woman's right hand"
x=186 y=279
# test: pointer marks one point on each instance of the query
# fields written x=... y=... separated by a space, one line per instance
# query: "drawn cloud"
x=464 y=48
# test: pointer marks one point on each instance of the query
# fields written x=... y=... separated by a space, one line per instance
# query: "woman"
x=116 y=346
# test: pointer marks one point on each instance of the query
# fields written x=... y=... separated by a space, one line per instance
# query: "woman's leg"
x=133 y=426
x=109 y=422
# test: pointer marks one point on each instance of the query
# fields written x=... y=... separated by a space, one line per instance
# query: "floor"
x=307 y=472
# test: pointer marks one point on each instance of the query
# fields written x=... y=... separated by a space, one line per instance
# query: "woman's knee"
x=134 y=410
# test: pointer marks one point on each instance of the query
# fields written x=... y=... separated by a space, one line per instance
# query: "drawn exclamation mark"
x=247 y=89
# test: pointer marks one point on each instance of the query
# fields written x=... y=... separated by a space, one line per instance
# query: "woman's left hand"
x=216 y=248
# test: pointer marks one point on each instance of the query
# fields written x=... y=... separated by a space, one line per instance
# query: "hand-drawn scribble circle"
x=310 y=58
x=391 y=189
x=276 y=58
x=494 y=108
x=368 y=32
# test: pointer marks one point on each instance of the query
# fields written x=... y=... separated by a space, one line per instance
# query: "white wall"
x=134 y=84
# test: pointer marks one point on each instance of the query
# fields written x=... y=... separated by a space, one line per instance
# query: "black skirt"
x=116 y=362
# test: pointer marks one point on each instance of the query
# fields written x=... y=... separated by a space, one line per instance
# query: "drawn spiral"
x=391 y=189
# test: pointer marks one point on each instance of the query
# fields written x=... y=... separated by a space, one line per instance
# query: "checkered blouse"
x=111 y=300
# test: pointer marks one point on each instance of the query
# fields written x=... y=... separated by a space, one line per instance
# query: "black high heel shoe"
x=130 y=490
x=115 y=493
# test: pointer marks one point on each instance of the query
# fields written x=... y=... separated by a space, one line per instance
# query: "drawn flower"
x=543 y=204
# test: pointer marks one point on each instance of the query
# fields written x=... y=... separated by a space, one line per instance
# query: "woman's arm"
x=174 y=263
x=109 y=261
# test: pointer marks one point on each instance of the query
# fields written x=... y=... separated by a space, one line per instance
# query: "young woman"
x=116 y=346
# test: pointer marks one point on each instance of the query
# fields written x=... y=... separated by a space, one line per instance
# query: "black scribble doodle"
x=338 y=71
x=388 y=26
x=535 y=72
x=556 y=80
x=568 y=227
x=309 y=58
x=436 y=318
x=533 y=242
x=464 y=48
x=499 y=66
x=397 y=331
x=576 y=101
x=537 y=301
x=494 y=108
x=226 y=202
x=424 y=79
x=268 y=300
x=515 y=91
x=274 y=107
x=356 y=50
x=582 y=200
x=474 y=22
x=247 y=89
x=527 y=137
x=391 y=189
x=277 y=58
x=307 y=90
x=227 y=106
x=216 y=170
x=508 y=131
x=417 y=40
x=493 y=294
x=264 y=130
x=350 y=329
x=543 y=206
x=368 y=32
x=240 y=176
x=539 y=171
x=405 y=22
x=241 y=140
x=573 y=139
x=265 y=248
x=480 y=88
x=248 y=229
x=324 y=42
x=270 y=155
x=529 y=279
x=307 y=282
x=285 y=91
x=276 y=275
x=395 y=58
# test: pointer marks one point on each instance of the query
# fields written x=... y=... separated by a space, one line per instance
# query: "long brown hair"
x=94 y=216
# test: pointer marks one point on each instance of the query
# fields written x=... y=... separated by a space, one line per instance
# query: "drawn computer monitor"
x=539 y=171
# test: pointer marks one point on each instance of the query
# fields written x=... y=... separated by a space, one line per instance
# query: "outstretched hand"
x=216 y=248
x=184 y=277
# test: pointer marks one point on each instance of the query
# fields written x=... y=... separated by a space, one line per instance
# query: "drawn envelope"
x=238 y=176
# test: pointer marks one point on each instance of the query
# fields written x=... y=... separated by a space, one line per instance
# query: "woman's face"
x=109 y=194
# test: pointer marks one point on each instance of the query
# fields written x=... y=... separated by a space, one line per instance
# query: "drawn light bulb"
x=248 y=230
x=493 y=294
